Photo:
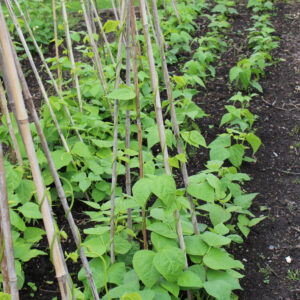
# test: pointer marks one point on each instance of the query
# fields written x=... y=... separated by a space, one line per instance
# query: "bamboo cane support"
x=115 y=145
x=58 y=258
x=7 y=236
x=173 y=113
x=5 y=112
x=4 y=268
x=176 y=11
x=101 y=30
x=159 y=117
x=94 y=48
x=127 y=132
x=58 y=184
x=70 y=51
x=138 y=111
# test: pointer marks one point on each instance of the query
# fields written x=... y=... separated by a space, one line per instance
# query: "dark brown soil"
x=275 y=175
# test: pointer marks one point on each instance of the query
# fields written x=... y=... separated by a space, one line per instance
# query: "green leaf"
x=122 y=246
x=234 y=73
x=164 y=187
x=219 y=289
x=195 y=245
x=221 y=229
x=223 y=140
x=16 y=220
x=33 y=234
x=245 y=77
x=256 y=85
x=194 y=138
x=218 y=259
x=30 y=210
x=143 y=266
x=84 y=184
x=202 y=191
x=25 y=190
x=93 y=246
x=116 y=273
x=219 y=153
x=162 y=229
x=141 y=191
x=61 y=158
x=236 y=238
x=255 y=221
x=122 y=94
x=228 y=278
x=215 y=240
x=218 y=214
x=160 y=242
x=236 y=153
x=172 y=287
x=254 y=141
x=245 y=201
x=170 y=263
x=81 y=149
x=132 y=296
x=189 y=279
x=96 y=230
x=110 y=26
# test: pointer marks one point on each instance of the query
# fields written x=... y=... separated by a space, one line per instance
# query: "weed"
x=293 y=275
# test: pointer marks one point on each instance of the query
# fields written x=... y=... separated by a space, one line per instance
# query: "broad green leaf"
x=30 y=210
x=110 y=26
x=25 y=190
x=234 y=73
x=236 y=153
x=245 y=201
x=202 y=191
x=122 y=246
x=254 y=141
x=199 y=270
x=33 y=234
x=236 y=238
x=61 y=158
x=141 y=191
x=195 y=245
x=116 y=273
x=164 y=187
x=160 y=242
x=245 y=77
x=215 y=240
x=256 y=85
x=219 y=153
x=221 y=229
x=223 y=140
x=221 y=275
x=85 y=184
x=96 y=230
x=16 y=220
x=189 y=279
x=81 y=149
x=143 y=266
x=219 y=289
x=172 y=287
x=217 y=259
x=122 y=94
x=218 y=214
x=132 y=296
x=255 y=221
x=170 y=263
x=93 y=246
x=162 y=229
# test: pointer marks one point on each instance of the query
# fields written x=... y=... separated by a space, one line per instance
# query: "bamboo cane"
x=173 y=113
x=127 y=131
x=4 y=268
x=102 y=31
x=94 y=48
x=158 y=110
x=114 y=10
x=58 y=184
x=115 y=145
x=70 y=51
x=35 y=71
x=40 y=53
x=58 y=258
x=176 y=11
x=56 y=46
x=138 y=111
x=151 y=23
x=5 y=112
x=6 y=227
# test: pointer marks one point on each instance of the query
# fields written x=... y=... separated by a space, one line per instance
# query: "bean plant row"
x=115 y=136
